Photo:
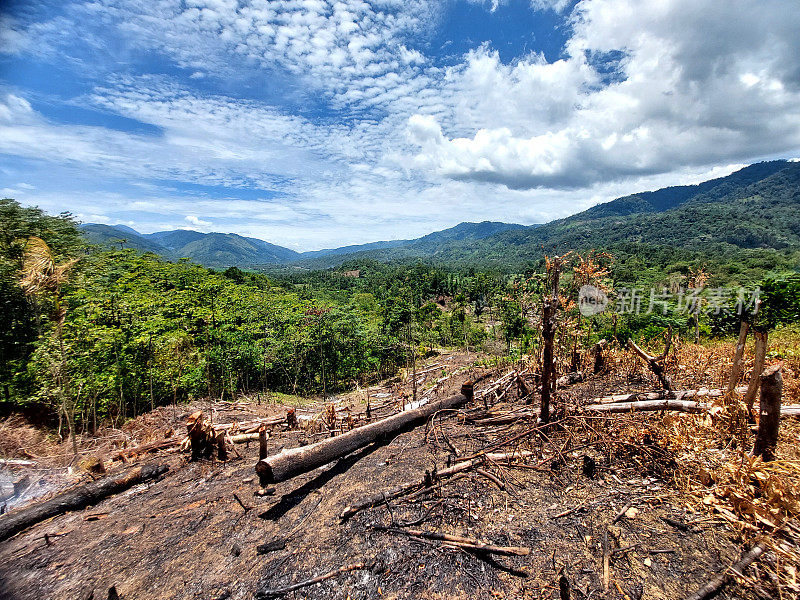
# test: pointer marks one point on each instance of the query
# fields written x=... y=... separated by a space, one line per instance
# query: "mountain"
x=120 y=236
x=228 y=249
x=175 y=240
x=754 y=209
x=672 y=197
x=427 y=246
x=211 y=249
x=222 y=250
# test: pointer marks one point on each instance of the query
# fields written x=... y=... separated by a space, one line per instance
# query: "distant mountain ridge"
x=757 y=207
x=229 y=249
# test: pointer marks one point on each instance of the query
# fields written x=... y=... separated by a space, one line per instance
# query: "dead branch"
x=716 y=584
x=459 y=541
x=76 y=498
x=656 y=363
x=664 y=394
x=277 y=592
x=387 y=495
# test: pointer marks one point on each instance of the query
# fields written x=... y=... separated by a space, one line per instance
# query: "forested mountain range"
x=754 y=209
x=230 y=249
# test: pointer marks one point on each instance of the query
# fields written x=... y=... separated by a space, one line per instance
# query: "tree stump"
x=770 y=413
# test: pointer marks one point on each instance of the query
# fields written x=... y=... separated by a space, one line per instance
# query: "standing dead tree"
x=656 y=363
x=549 y=309
x=736 y=370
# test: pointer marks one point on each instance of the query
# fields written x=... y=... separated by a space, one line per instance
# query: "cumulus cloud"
x=197 y=222
x=362 y=134
x=695 y=85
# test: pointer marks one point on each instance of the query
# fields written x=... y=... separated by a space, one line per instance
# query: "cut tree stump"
x=288 y=463
x=599 y=358
x=76 y=499
x=770 y=413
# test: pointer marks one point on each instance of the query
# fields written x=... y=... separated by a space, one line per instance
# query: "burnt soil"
x=187 y=536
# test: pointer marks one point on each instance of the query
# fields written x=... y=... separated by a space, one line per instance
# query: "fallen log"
x=648 y=405
x=291 y=462
x=664 y=394
x=790 y=410
x=385 y=496
x=127 y=453
x=76 y=499
x=459 y=541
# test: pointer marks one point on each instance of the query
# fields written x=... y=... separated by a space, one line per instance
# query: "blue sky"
x=315 y=124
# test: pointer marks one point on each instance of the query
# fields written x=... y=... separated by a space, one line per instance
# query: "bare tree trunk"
x=291 y=462
x=760 y=336
x=736 y=370
x=548 y=336
x=770 y=413
x=76 y=498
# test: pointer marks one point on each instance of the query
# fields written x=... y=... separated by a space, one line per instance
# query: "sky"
x=315 y=124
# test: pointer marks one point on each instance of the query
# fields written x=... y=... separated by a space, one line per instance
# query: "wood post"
x=769 y=413
x=262 y=443
x=549 y=308
x=760 y=336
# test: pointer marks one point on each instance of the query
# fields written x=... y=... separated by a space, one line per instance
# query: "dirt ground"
x=593 y=491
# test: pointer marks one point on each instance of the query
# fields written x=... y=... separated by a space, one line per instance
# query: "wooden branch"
x=264 y=593
x=461 y=542
x=76 y=498
x=716 y=584
x=127 y=453
x=655 y=363
x=770 y=413
x=241 y=438
x=295 y=461
x=387 y=495
x=790 y=410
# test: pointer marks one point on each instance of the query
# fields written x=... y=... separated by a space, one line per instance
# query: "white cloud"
x=197 y=222
x=646 y=93
x=696 y=84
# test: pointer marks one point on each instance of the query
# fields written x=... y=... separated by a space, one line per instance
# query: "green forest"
x=92 y=334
